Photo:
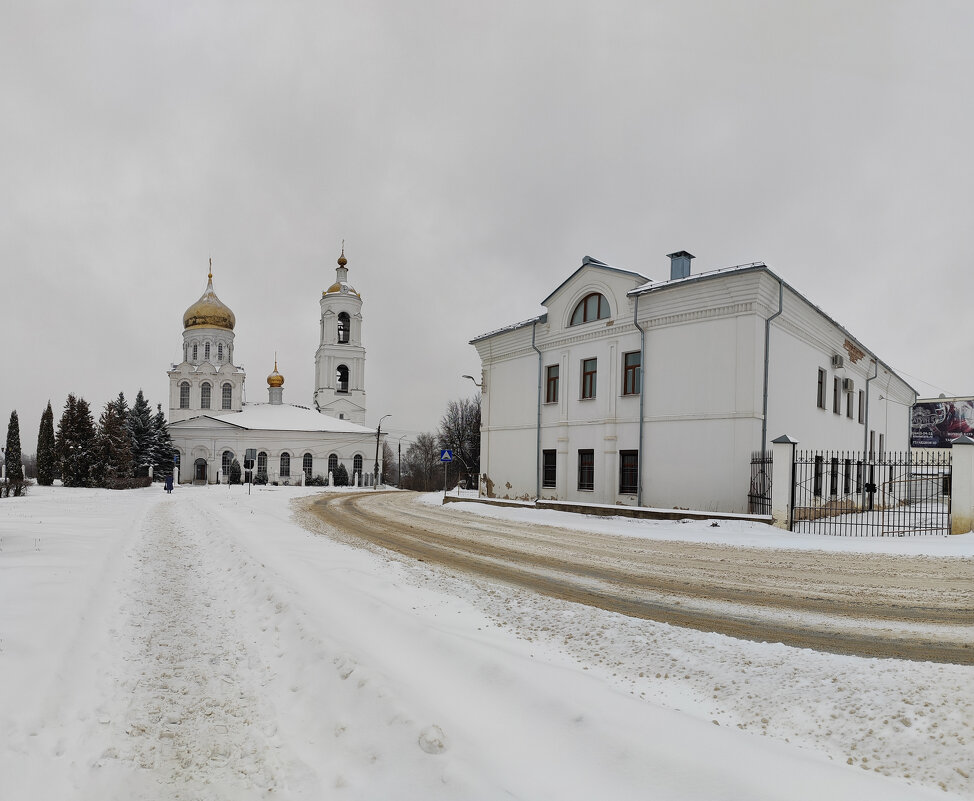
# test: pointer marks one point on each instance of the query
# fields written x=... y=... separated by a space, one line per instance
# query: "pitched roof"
x=284 y=417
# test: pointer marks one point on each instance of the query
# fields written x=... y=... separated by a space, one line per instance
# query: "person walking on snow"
x=169 y=483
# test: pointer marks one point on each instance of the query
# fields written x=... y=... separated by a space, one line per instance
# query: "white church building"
x=657 y=393
x=211 y=423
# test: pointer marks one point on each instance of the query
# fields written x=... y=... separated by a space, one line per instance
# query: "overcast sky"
x=470 y=155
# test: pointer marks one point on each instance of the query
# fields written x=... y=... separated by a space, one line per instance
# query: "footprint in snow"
x=432 y=740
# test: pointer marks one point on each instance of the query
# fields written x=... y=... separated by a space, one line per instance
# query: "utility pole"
x=378 y=428
x=399 y=476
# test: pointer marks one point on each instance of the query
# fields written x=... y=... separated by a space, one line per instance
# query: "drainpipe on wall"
x=865 y=433
x=767 y=363
x=537 y=447
x=642 y=395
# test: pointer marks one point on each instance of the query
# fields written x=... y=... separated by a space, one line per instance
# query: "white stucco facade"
x=689 y=417
x=211 y=424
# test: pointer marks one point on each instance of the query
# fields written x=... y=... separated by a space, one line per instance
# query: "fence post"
x=962 y=485
x=782 y=472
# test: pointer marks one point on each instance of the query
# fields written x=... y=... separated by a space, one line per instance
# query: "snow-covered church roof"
x=286 y=417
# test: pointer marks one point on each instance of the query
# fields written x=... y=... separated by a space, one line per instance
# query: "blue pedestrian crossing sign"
x=446 y=455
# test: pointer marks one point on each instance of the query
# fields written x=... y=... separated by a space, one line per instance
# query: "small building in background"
x=632 y=391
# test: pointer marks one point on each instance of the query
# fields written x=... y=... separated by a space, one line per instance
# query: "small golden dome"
x=275 y=379
x=209 y=311
x=342 y=261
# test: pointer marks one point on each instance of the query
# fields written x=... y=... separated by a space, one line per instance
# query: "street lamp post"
x=399 y=476
x=378 y=428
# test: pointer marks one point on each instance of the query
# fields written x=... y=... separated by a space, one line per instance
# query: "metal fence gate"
x=893 y=495
x=759 y=491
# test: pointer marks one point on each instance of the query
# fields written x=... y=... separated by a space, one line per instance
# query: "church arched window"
x=219 y=352
x=357 y=464
x=225 y=463
x=332 y=464
x=306 y=464
x=205 y=395
x=285 y=465
x=342 y=378
x=591 y=307
x=206 y=351
x=344 y=327
x=227 y=395
x=195 y=351
x=262 y=462
x=184 y=395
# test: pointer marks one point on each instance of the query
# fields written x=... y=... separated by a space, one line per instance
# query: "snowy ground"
x=206 y=646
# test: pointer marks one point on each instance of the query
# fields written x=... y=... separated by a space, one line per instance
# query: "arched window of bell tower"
x=344 y=327
x=342 y=378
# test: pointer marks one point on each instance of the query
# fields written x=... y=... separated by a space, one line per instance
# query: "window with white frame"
x=285 y=465
x=184 y=395
x=205 y=395
x=590 y=308
x=228 y=396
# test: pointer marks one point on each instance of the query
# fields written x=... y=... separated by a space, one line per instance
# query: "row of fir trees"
x=115 y=452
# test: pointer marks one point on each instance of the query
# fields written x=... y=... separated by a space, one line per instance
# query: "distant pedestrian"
x=169 y=483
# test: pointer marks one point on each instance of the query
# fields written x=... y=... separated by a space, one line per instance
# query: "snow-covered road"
x=205 y=646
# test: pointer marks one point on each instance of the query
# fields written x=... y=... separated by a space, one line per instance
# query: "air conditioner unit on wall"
x=848 y=385
x=837 y=361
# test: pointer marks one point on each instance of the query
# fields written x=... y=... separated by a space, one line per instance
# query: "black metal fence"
x=893 y=495
x=759 y=491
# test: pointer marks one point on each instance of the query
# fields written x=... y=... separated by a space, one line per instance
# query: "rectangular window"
x=628 y=472
x=862 y=406
x=631 y=367
x=820 y=397
x=817 y=479
x=551 y=384
x=848 y=405
x=882 y=445
x=586 y=470
x=589 y=370
x=847 y=477
x=836 y=395
x=549 y=474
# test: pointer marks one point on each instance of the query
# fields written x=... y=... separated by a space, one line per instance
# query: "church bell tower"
x=340 y=360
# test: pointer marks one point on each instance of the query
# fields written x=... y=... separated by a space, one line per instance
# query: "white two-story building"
x=658 y=393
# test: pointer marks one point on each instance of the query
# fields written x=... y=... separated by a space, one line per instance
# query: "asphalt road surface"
x=905 y=607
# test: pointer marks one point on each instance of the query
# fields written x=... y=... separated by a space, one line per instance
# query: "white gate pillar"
x=962 y=485
x=782 y=473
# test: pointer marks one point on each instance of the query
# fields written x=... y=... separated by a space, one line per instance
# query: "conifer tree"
x=340 y=475
x=46 y=460
x=162 y=449
x=112 y=465
x=12 y=457
x=75 y=442
x=140 y=426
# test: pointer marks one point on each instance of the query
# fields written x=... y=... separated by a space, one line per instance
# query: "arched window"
x=307 y=464
x=357 y=465
x=184 y=395
x=285 y=465
x=342 y=378
x=195 y=349
x=591 y=307
x=185 y=353
x=332 y=464
x=344 y=327
x=219 y=352
x=206 y=351
x=262 y=462
x=227 y=395
x=205 y=395
x=226 y=462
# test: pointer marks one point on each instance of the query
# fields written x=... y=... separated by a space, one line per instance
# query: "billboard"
x=936 y=423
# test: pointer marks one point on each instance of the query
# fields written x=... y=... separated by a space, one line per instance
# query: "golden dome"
x=275 y=379
x=209 y=311
x=342 y=261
